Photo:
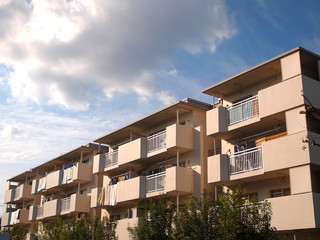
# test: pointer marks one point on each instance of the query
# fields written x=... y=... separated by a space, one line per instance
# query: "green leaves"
x=83 y=229
x=230 y=217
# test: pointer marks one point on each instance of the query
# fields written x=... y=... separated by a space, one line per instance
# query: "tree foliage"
x=17 y=232
x=83 y=229
x=230 y=217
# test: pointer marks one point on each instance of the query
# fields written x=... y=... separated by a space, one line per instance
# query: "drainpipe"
x=99 y=147
x=178 y=157
x=81 y=157
x=214 y=146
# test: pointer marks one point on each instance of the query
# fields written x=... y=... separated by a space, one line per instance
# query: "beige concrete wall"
x=290 y=66
x=218 y=168
x=80 y=203
x=82 y=171
x=179 y=136
x=24 y=216
x=34 y=187
x=281 y=97
x=179 y=179
x=217 y=120
x=5 y=219
x=131 y=189
x=26 y=191
x=311 y=89
x=122 y=226
x=295 y=122
x=8 y=195
x=300 y=179
x=53 y=179
x=285 y=152
x=32 y=213
x=293 y=212
x=98 y=163
x=95 y=193
x=51 y=208
x=132 y=151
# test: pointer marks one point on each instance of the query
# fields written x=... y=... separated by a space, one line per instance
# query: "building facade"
x=260 y=133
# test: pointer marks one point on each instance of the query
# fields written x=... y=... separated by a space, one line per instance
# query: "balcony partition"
x=243 y=110
x=246 y=160
x=156 y=141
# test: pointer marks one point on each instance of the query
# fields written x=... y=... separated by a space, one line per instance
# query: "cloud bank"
x=69 y=52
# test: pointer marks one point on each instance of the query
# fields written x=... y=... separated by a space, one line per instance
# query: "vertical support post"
x=214 y=146
x=215 y=193
x=177 y=116
x=177 y=201
x=79 y=187
x=81 y=155
x=178 y=156
x=99 y=147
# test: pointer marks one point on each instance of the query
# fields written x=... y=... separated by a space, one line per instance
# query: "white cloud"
x=12 y=132
x=165 y=97
x=68 y=52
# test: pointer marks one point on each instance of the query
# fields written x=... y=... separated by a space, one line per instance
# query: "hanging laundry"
x=42 y=184
x=101 y=197
x=113 y=195
x=69 y=173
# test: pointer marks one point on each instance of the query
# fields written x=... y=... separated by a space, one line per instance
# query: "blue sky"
x=71 y=71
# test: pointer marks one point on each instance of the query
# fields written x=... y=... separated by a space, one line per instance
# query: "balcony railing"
x=40 y=211
x=111 y=158
x=156 y=182
x=156 y=141
x=65 y=204
x=243 y=110
x=244 y=161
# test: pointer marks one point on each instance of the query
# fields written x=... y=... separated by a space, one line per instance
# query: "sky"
x=74 y=70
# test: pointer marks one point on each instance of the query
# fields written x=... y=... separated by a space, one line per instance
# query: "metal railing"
x=243 y=110
x=111 y=158
x=65 y=204
x=156 y=141
x=40 y=211
x=244 y=161
x=156 y=182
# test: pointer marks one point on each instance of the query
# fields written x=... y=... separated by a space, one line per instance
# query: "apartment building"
x=61 y=186
x=262 y=131
x=162 y=154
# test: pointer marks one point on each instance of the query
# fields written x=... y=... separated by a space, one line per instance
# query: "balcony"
x=245 y=161
x=174 y=179
x=243 y=110
x=105 y=161
x=132 y=151
x=20 y=193
x=131 y=189
x=224 y=119
x=75 y=203
x=295 y=211
x=79 y=172
x=18 y=216
x=95 y=196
